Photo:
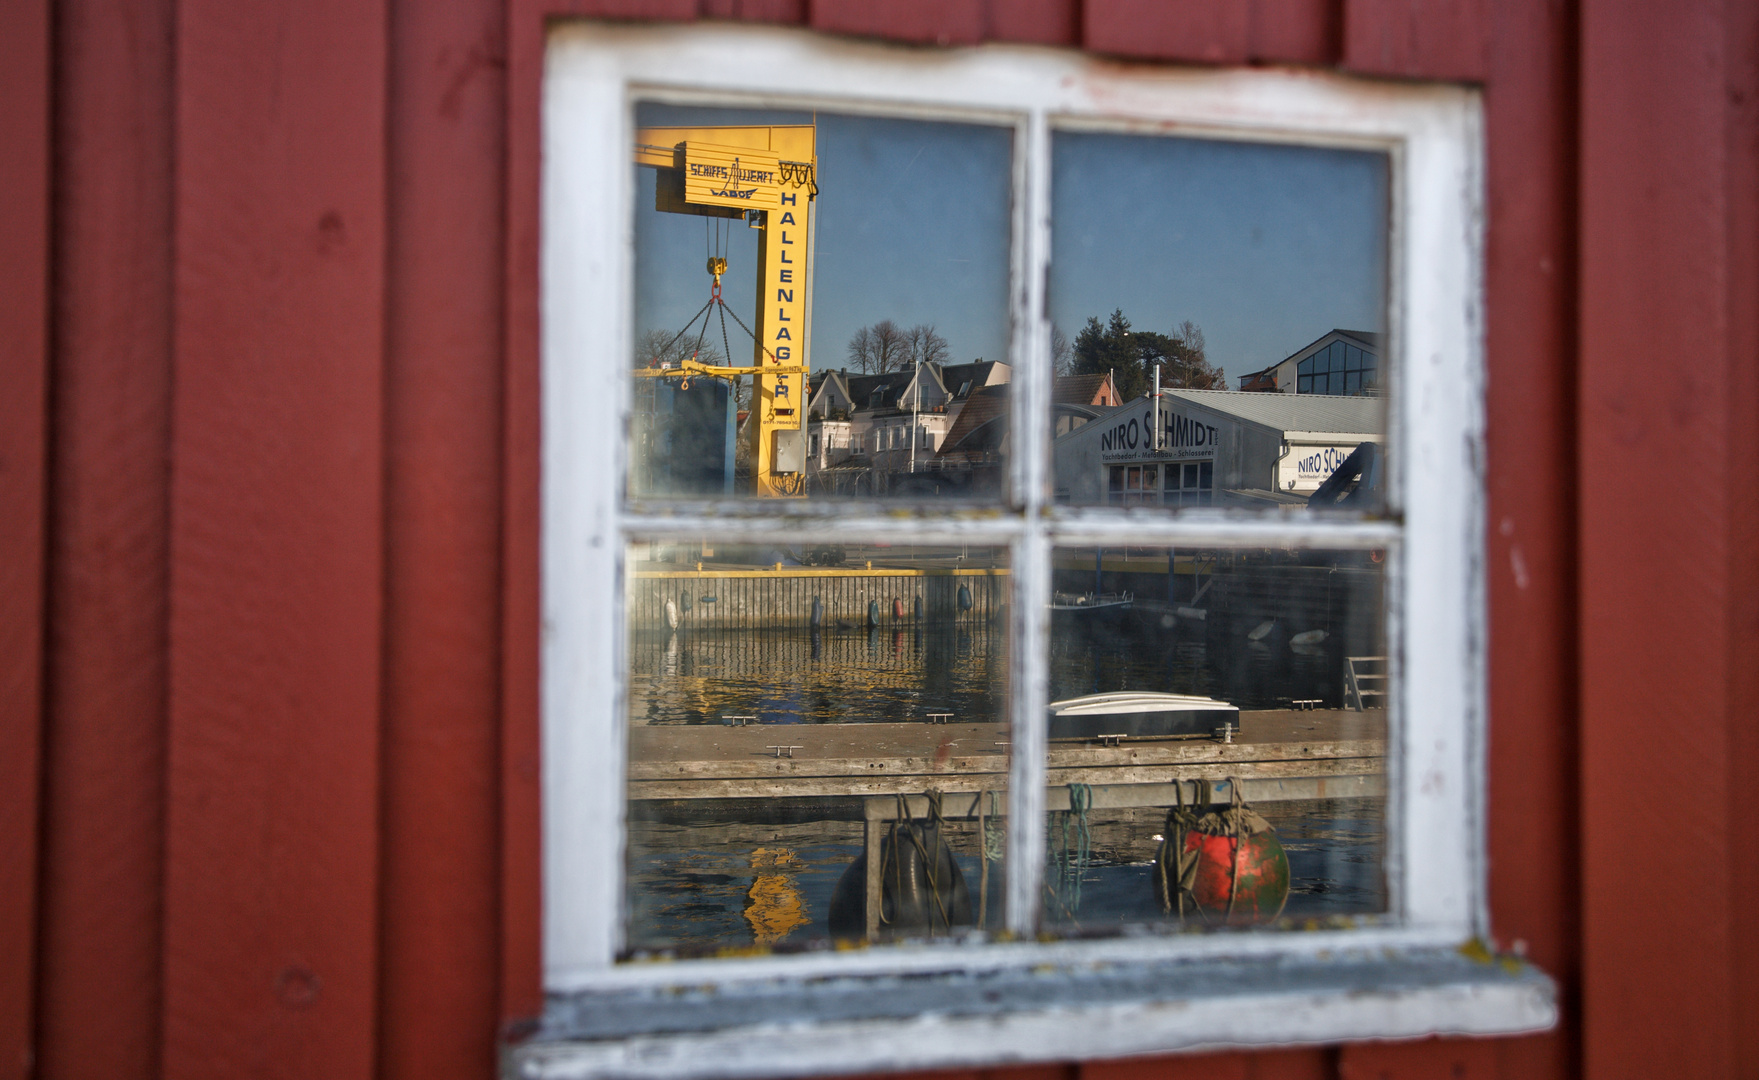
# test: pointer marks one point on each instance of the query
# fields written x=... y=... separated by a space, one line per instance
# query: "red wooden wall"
x=268 y=514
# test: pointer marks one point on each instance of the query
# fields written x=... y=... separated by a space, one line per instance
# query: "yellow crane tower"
x=765 y=175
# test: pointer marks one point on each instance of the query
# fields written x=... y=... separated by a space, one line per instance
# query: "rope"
x=992 y=832
x=990 y=848
x=931 y=863
x=1178 y=867
x=1238 y=817
x=1072 y=861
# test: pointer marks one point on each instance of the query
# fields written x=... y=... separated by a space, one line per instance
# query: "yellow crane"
x=765 y=175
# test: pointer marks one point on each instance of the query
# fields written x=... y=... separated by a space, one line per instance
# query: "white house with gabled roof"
x=861 y=429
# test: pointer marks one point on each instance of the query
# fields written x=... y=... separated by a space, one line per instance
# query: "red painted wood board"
x=104 y=770
x=1038 y=22
x=1271 y=31
x=1530 y=287
x=1665 y=421
x=1533 y=739
x=1148 y=29
x=1419 y=39
x=776 y=11
x=439 y=964
x=24 y=352
x=277 y=543
x=521 y=798
x=1314 y=1063
x=1741 y=95
x=1421 y=1059
x=935 y=22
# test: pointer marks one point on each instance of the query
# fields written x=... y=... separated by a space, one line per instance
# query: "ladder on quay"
x=1361 y=684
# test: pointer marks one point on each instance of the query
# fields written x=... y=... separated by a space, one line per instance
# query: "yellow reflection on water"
x=774 y=906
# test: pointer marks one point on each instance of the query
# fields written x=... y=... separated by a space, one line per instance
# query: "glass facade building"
x=1339 y=368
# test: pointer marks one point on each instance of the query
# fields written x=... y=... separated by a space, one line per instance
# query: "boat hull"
x=1139 y=716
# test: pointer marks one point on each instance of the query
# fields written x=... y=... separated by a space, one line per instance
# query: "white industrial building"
x=1213 y=448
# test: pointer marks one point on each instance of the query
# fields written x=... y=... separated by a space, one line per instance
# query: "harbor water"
x=715 y=874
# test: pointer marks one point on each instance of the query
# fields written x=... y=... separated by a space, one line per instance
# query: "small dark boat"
x=1139 y=714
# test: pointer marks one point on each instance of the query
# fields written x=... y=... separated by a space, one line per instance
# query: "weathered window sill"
x=1017 y=1015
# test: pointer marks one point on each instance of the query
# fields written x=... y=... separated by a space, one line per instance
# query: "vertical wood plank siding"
x=1530 y=285
x=25 y=90
x=269 y=521
x=441 y=849
x=1741 y=232
x=277 y=541
x=1417 y=39
x=104 y=773
x=1252 y=31
x=1666 y=430
x=936 y=22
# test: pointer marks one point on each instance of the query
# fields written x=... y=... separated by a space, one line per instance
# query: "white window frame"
x=1414 y=982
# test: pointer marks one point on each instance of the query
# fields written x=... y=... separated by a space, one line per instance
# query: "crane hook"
x=716 y=266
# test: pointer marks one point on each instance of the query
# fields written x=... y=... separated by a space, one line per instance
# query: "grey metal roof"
x=1295 y=412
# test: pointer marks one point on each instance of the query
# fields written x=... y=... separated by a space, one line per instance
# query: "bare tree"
x=925 y=345
x=669 y=347
x=1190 y=335
x=1062 y=356
x=1189 y=367
x=880 y=348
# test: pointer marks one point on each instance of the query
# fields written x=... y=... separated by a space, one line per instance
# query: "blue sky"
x=1265 y=248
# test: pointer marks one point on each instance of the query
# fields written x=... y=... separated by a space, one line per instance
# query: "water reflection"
x=1334 y=849
x=1275 y=633
x=873 y=675
x=704 y=882
x=698 y=881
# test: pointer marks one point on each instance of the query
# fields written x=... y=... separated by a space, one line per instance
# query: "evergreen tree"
x=1183 y=364
x=1109 y=348
x=1128 y=354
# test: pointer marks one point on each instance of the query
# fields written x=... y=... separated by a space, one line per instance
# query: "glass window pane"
x=755 y=227
x=793 y=713
x=1173 y=673
x=1192 y=258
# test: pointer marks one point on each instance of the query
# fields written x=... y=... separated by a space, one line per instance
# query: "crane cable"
x=715 y=244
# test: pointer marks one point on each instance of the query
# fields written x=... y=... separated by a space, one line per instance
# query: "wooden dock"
x=1276 y=755
x=1296 y=754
